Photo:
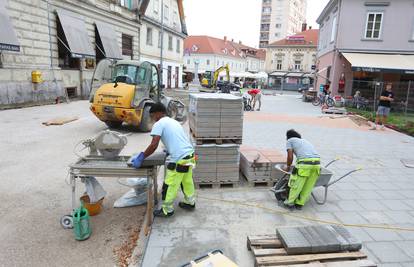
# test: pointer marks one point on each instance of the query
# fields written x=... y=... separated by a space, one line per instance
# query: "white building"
x=292 y=60
x=64 y=40
x=211 y=53
x=281 y=18
x=174 y=32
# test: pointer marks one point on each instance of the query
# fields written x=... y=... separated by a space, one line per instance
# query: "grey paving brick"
x=387 y=252
x=396 y=204
x=349 y=205
x=376 y=217
x=391 y=194
x=400 y=217
x=350 y=217
x=407 y=247
x=372 y=205
x=407 y=193
x=360 y=233
x=346 y=194
x=366 y=186
x=368 y=195
x=383 y=234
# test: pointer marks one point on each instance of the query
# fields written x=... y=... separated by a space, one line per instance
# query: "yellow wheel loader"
x=123 y=91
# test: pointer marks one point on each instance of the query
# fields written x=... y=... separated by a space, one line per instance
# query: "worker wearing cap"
x=256 y=97
x=305 y=172
x=179 y=163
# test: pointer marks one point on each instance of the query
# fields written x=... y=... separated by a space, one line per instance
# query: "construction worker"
x=256 y=97
x=179 y=163
x=306 y=171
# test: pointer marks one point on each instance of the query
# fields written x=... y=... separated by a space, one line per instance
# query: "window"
x=188 y=61
x=298 y=65
x=208 y=62
x=126 y=3
x=170 y=43
x=279 y=64
x=127 y=45
x=374 y=24
x=333 y=32
x=156 y=6
x=277 y=34
x=178 y=48
x=175 y=19
x=159 y=39
x=149 y=36
x=166 y=12
x=278 y=26
x=66 y=61
x=266 y=10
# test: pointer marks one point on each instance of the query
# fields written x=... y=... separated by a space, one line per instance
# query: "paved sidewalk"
x=382 y=193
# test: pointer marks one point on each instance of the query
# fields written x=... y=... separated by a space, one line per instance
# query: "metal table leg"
x=73 y=185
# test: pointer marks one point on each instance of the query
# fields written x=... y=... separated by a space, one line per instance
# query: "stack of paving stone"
x=317 y=239
x=217 y=164
x=258 y=165
x=216 y=116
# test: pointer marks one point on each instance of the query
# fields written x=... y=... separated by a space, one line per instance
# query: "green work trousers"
x=172 y=183
x=302 y=182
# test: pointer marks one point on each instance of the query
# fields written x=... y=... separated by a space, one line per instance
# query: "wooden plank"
x=354 y=263
x=297 y=259
x=260 y=252
x=60 y=121
x=264 y=243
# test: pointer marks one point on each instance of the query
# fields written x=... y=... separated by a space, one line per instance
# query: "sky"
x=236 y=19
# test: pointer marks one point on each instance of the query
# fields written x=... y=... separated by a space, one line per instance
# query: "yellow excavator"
x=210 y=78
x=123 y=91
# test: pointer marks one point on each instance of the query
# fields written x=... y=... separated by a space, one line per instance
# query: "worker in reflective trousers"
x=306 y=171
x=179 y=163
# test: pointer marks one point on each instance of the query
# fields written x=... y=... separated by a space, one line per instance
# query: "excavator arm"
x=217 y=73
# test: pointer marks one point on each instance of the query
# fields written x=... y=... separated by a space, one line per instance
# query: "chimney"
x=304 y=26
x=225 y=39
x=240 y=42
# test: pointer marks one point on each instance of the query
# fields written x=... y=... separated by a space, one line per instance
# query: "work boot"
x=186 y=206
x=160 y=213
x=298 y=207
x=287 y=205
x=373 y=127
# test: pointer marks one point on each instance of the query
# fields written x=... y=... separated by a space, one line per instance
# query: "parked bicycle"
x=324 y=99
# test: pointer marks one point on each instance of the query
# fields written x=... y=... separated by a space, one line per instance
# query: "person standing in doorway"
x=384 y=107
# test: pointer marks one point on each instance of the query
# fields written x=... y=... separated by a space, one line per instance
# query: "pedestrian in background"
x=384 y=107
x=256 y=97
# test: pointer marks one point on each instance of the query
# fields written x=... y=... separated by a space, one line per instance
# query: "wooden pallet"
x=261 y=183
x=216 y=140
x=215 y=185
x=268 y=251
x=334 y=111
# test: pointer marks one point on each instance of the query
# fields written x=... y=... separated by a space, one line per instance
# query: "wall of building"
x=327 y=33
x=235 y=64
x=397 y=26
x=288 y=55
x=39 y=49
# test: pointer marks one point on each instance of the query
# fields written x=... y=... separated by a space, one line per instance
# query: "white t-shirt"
x=173 y=137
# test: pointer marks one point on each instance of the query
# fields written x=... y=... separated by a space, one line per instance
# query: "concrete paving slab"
x=388 y=252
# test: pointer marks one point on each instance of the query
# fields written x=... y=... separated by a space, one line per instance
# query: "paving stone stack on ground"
x=216 y=122
x=259 y=165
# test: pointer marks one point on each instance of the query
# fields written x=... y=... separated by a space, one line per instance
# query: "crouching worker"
x=306 y=171
x=179 y=163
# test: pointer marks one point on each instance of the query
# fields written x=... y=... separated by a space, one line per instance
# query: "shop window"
x=66 y=61
x=89 y=63
x=178 y=48
x=126 y=3
x=127 y=45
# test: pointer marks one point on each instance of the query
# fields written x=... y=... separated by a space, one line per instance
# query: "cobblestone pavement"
x=381 y=193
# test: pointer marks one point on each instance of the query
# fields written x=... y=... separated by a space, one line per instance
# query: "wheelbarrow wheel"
x=282 y=189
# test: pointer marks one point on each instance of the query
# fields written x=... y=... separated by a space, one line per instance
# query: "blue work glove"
x=138 y=160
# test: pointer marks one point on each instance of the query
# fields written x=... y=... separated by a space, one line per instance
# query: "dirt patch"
x=123 y=252
x=343 y=122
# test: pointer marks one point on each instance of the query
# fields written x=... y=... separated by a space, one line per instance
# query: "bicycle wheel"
x=316 y=101
x=330 y=102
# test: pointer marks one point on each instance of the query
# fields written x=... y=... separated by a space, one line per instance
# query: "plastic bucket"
x=93 y=208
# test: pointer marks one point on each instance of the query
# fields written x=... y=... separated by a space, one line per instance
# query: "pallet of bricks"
x=216 y=126
x=308 y=246
x=258 y=165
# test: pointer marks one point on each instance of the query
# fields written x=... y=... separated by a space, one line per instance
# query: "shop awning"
x=8 y=38
x=295 y=74
x=109 y=45
x=380 y=62
x=278 y=73
x=76 y=34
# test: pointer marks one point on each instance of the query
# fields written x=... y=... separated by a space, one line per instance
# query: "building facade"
x=63 y=40
x=367 y=41
x=292 y=60
x=210 y=53
x=281 y=18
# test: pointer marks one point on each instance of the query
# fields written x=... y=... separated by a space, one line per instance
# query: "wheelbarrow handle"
x=343 y=176
x=332 y=161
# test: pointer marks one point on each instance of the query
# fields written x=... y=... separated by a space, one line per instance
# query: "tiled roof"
x=210 y=45
x=305 y=38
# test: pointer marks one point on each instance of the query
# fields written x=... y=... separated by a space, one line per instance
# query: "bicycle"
x=322 y=99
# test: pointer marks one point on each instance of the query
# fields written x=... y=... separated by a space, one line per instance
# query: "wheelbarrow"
x=281 y=188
